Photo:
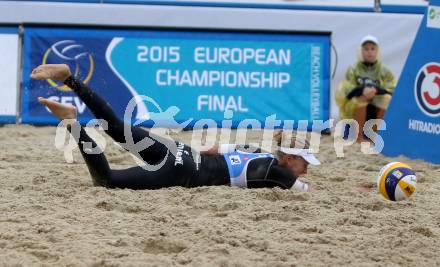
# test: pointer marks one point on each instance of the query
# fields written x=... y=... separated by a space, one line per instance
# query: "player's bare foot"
x=59 y=72
x=61 y=111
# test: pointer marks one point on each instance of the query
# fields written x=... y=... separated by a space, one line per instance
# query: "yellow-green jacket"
x=356 y=76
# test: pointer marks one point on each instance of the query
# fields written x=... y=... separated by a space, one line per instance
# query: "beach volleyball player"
x=180 y=165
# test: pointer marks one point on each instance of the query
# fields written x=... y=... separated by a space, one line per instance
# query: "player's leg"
x=155 y=148
x=94 y=158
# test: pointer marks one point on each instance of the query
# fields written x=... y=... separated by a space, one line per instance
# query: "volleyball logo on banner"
x=427 y=89
x=73 y=54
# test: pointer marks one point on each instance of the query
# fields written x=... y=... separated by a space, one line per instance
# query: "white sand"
x=50 y=214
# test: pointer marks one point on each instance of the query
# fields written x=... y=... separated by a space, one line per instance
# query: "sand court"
x=51 y=214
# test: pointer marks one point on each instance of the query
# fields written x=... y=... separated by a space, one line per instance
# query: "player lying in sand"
x=224 y=166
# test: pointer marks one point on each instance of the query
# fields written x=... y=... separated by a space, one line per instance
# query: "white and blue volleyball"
x=396 y=181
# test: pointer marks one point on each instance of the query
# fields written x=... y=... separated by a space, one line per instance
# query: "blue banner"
x=413 y=118
x=201 y=74
x=7 y=30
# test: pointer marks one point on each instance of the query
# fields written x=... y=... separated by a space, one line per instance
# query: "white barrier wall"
x=396 y=31
x=8 y=76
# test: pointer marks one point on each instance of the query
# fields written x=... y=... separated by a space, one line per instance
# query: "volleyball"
x=396 y=181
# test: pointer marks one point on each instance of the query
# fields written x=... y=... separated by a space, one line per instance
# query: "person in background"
x=367 y=88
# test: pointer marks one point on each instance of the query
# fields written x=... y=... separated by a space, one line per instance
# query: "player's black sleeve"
x=265 y=172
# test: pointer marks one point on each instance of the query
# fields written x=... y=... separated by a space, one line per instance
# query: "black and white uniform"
x=182 y=167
